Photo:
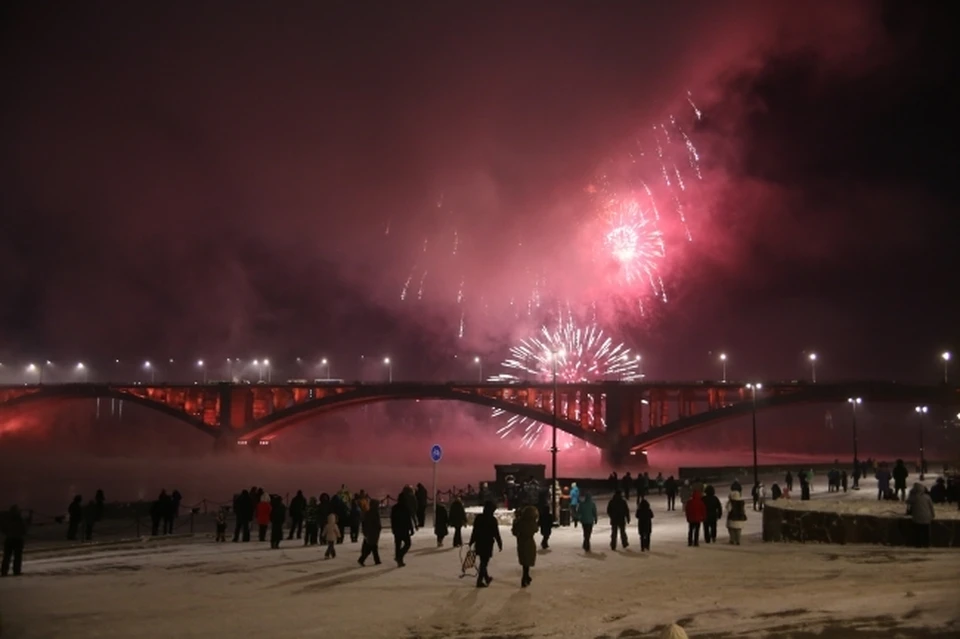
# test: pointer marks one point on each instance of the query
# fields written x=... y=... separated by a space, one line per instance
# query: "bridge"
x=618 y=417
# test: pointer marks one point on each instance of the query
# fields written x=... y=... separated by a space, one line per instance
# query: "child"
x=331 y=533
x=221 y=525
x=645 y=524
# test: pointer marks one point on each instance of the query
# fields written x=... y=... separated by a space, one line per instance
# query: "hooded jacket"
x=486 y=531
x=331 y=532
x=695 y=509
x=401 y=523
x=588 y=511
x=618 y=511
x=736 y=511
x=574 y=495
x=371 y=525
x=713 y=505
x=458 y=514
x=644 y=517
x=920 y=506
x=525 y=526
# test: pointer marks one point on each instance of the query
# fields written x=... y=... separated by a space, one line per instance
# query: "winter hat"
x=265 y=498
x=735 y=496
x=673 y=631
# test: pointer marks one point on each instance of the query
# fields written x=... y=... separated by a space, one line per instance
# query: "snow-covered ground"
x=196 y=588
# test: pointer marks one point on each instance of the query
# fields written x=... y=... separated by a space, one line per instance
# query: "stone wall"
x=783 y=524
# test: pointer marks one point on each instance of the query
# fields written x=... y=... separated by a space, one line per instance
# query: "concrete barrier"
x=784 y=524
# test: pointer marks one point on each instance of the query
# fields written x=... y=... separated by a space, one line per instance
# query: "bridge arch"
x=270 y=425
x=70 y=392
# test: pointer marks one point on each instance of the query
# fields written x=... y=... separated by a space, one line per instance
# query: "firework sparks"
x=579 y=354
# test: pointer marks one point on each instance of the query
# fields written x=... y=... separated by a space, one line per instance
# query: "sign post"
x=436 y=454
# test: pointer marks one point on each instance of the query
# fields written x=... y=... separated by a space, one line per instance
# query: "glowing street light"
x=203 y=369
x=479 y=363
x=813 y=367
x=921 y=411
x=723 y=364
x=756 y=469
x=326 y=364
x=389 y=365
x=153 y=371
x=946 y=365
x=82 y=371
x=33 y=368
x=854 y=402
x=266 y=362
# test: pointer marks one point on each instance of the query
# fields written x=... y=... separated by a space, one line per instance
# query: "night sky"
x=249 y=179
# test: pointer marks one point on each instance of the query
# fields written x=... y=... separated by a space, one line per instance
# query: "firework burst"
x=578 y=354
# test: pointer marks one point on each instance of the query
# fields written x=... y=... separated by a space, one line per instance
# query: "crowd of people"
x=329 y=520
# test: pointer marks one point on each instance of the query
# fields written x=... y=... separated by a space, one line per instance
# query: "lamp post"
x=921 y=411
x=946 y=365
x=813 y=367
x=479 y=363
x=389 y=365
x=203 y=369
x=553 y=448
x=756 y=469
x=266 y=363
x=854 y=402
x=723 y=364
x=82 y=371
x=33 y=368
x=153 y=371
x=326 y=364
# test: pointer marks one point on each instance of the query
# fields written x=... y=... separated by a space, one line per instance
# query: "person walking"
x=331 y=535
x=619 y=513
x=696 y=512
x=243 y=511
x=588 y=518
x=311 y=517
x=644 y=524
x=297 y=507
x=883 y=482
x=524 y=528
x=900 y=475
x=75 y=516
x=457 y=519
x=14 y=534
x=737 y=515
x=670 y=486
x=486 y=532
x=371 y=527
x=422 y=499
x=221 y=525
x=546 y=520
x=401 y=524
x=575 y=503
x=278 y=516
x=441 y=521
x=788 y=480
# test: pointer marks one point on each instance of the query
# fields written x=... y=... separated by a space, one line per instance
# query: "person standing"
x=441 y=522
x=883 y=482
x=422 y=499
x=458 y=519
x=89 y=519
x=737 y=514
x=588 y=518
x=297 y=507
x=243 y=511
x=486 y=532
x=714 y=514
x=696 y=512
x=670 y=486
x=788 y=480
x=900 y=475
x=371 y=527
x=263 y=516
x=619 y=513
x=175 y=499
x=331 y=535
x=401 y=525
x=311 y=519
x=546 y=520
x=524 y=528
x=278 y=516
x=644 y=524
x=14 y=533
x=627 y=482
x=356 y=519
x=575 y=503
x=74 y=517
x=221 y=525
x=922 y=513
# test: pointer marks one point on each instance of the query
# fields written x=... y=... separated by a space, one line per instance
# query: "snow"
x=195 y=588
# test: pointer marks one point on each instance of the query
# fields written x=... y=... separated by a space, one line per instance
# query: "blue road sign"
x=436 y=453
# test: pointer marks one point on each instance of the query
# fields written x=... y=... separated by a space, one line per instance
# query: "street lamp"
x=33 y=368
x=266 y=362
x=921 y=411
x=854 y=402
x=756 y=470
x=479 y=363
x=153 y=371
x=555 y=356
x=203 y=369
x=82 y=370
x=946 y=365
x=813 y=367
x=723 y=364
x=326 y=364
x=389 y=365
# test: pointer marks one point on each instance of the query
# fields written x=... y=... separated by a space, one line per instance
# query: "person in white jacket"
x=736 y=516
x=331 y=533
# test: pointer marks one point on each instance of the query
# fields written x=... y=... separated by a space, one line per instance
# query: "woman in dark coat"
x=644 y=524
x=440 y=521
x=458 y=519
x=525 y=526
x=486 y=531
x=371 y=527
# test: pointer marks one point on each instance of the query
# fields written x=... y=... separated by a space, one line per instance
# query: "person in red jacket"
x=263 y=516
x=696 y=513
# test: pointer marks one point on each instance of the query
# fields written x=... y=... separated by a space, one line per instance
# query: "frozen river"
x=195 y=588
